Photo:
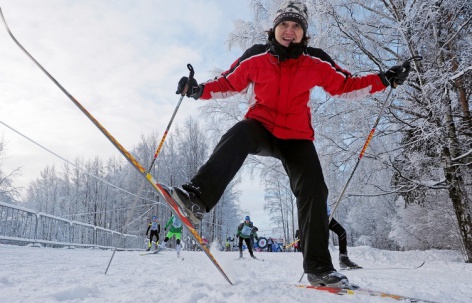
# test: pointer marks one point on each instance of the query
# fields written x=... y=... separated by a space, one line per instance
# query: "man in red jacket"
x=278 y=124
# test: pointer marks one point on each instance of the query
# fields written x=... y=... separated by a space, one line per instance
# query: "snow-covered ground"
x=33 y=274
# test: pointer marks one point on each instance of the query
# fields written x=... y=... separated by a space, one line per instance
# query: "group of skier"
x=281 y=74
x=245 y=232
x=175 y=230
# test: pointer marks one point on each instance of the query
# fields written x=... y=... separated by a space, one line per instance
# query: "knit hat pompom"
x=293 y=10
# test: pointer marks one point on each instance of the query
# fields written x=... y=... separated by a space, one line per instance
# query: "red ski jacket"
x=281 y=90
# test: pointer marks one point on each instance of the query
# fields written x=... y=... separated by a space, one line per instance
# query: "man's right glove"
x=194 y=90
x=396 y=75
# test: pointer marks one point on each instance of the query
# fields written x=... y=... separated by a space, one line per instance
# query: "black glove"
x=396 y=75
x=194 y=90
x=146 y=234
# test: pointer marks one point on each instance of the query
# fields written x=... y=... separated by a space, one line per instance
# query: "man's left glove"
x=396 y=75
x=194 y=90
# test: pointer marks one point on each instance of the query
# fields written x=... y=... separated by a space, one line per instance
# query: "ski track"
x=32 y=274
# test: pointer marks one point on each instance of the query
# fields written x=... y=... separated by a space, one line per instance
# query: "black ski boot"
x=346 y=263
x=190 y=202
x=329 y=278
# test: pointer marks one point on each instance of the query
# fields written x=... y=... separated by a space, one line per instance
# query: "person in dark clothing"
x=336 y=227
x=229 y=244
x=281 y=75
x=244 y=232
x=269 y=244
x=155 y=229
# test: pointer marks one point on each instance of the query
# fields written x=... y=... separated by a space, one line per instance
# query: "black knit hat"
x=295 y=11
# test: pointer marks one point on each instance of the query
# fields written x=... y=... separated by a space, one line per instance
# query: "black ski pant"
x=154 y=233
x=248 y=244
x=341 y=232
x=301 y=163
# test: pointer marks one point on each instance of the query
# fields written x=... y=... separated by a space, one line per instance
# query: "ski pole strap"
x=415 y=58
x=190 y=76
x=412 y=59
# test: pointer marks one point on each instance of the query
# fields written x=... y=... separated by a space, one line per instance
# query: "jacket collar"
x=293 y=51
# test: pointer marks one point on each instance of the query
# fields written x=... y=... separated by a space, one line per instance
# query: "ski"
x=149 y=253
x=351 y=268
x=158 y=187
x=242 y=258
x=381 y=268
x=363 y=291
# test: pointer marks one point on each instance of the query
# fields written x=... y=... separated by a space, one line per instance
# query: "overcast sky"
x=121 y=60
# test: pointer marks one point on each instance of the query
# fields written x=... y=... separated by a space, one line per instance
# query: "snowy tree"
x=429 y=117
x=280 y=202
x=8 y=192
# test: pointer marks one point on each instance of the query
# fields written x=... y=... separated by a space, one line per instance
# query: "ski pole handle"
x=190 y=76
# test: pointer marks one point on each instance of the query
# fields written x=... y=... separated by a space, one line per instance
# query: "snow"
x=39 y=274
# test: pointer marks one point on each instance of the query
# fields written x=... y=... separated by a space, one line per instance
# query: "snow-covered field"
x=32 y=274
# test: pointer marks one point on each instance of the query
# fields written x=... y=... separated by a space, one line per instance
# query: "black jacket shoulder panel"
x=254 y=50
x=321 y=54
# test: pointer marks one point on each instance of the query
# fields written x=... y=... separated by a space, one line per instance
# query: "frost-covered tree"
x=423 y=143
x=431 y=112
x=8 y=192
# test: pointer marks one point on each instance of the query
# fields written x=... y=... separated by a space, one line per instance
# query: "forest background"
x=412 y=189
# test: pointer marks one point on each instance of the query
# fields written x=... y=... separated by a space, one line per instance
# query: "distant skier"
x=175 y=230
x=155 y=229
x=336 y=227
x=244 y=232
x=297 y=245
x=228 y=244
x=269 y=244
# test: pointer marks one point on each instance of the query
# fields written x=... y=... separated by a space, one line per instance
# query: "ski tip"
x=420 y=265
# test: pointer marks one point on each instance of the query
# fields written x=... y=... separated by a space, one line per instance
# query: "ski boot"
x=190 y=202
x=330 y=278
x=346 y=263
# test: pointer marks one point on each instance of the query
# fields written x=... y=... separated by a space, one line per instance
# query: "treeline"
x=413 y=187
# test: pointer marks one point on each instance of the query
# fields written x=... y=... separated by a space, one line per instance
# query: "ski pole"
x=159 y=147
x=369 y=138
x=192 y=72
x=367 y=142
x=158 y=150
x=358 y=160
x=160 y=188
